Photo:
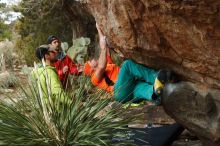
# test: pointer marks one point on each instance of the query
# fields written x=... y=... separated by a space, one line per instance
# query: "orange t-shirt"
x=111 y=71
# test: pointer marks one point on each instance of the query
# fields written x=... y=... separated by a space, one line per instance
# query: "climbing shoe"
x=163 y=77
x=158 y=87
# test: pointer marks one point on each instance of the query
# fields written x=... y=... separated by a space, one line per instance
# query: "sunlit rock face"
x=183 y=35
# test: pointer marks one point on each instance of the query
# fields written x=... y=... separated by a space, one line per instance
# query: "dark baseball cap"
x=42 y=50
x=51 y=38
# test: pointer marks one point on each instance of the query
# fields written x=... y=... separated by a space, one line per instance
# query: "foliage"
x=25 y=49
x=5 y=29
x=26 y=70
x=7 y=79
x=39 y=20
x=38 y=121
x=7 y=52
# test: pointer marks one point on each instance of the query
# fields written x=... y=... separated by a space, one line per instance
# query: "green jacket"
x=55 y=86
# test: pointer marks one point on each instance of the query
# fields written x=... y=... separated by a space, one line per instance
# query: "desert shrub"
x=26 y=70
x=8 y=79
x=34 y=120
x=6 y=49
x=26 y=50
x=5 y=31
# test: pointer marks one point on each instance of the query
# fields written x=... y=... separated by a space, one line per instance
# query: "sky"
x=14 y=15
x=9 y=2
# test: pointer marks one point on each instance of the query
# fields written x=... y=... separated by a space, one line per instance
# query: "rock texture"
x=183 y=35
x=197 y=109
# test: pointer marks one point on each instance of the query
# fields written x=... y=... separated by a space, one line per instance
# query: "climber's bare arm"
x=102 y=62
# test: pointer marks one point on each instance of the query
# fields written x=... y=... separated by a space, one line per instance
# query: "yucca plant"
x=31 y=120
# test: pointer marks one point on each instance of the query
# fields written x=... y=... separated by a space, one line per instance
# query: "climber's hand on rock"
x=102 y=38
x=102 y=42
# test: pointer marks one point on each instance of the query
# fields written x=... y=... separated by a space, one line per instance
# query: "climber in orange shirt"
x=131 y=82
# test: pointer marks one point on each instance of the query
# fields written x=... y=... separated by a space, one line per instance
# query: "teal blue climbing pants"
x=135 y=82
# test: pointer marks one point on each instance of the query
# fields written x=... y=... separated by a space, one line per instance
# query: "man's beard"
x=60 y=55
x=53 y=60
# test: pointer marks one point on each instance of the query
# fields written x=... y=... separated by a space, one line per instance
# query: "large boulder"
x=183 y=35
x=196 y=108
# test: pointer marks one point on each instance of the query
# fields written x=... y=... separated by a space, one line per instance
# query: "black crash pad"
x=151 y=136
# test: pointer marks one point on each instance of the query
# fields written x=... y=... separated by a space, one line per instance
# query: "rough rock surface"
x=183 y=35
x=197 y=109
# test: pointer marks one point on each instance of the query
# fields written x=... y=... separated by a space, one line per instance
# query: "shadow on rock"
x=196 y=108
